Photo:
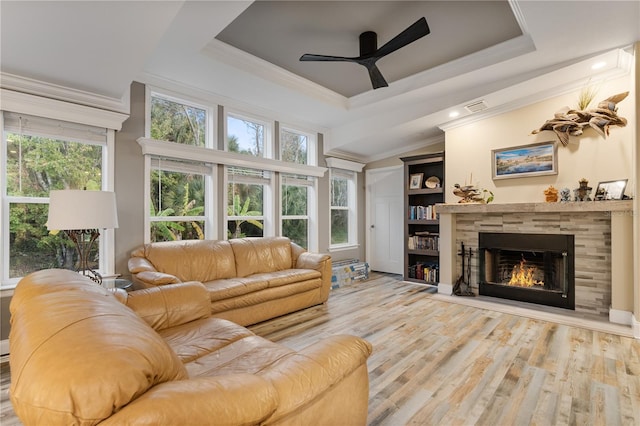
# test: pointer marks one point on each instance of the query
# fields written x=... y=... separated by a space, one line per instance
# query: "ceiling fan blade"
x=377 y=80
x=325 y=58
x=417 y=30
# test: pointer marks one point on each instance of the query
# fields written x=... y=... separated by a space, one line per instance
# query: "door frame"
x=367 y=203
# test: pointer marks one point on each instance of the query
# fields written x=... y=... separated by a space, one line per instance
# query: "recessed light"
x=454 y=114
x=598 y=65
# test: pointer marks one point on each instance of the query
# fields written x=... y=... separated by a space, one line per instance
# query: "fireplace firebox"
x=534 y=268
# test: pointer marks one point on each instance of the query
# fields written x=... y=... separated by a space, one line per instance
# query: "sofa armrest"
x=321 y=263
x=169 y=305
x=152 y=279
x=310 y=373
x=240 y=399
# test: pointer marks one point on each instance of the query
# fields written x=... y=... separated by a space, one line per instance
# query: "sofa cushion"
x=196 y=339
x=254 y=299
x=89 y=359
x=234 y=287
x=193 y=260
x=257 y=255
x=288 y=276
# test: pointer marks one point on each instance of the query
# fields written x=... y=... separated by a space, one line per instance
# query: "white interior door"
x=385 y=220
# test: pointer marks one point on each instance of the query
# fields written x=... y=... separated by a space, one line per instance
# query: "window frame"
x=268 y=147
x=267 y=216
x=106 y=246
x=311 y=183
x=210 y=122
x=170 y=165
x=312 y=143
x=351 y=208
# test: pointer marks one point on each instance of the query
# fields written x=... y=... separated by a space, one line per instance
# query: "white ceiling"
x=504 y=53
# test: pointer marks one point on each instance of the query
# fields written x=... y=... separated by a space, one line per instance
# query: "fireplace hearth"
x=534 y=268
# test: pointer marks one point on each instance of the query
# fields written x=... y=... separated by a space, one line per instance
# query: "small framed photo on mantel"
x=415 y=180
x=611 y=190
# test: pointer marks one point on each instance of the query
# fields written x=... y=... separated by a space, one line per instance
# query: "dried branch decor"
x=571 y=122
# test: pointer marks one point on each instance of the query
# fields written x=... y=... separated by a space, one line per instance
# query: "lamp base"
x=84 y=239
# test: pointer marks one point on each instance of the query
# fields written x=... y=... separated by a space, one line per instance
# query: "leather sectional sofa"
x=82 y=354
x=249 y=279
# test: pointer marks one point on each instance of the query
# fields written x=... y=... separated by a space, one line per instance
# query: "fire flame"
x=523 y=276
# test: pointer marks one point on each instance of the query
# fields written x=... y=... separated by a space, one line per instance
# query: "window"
x=297 y=200
x=343 y=207
x=178 y=200
x=297 y=147
x=174 y=120
x=248 y=202
x=248 y=136
x=43 y=155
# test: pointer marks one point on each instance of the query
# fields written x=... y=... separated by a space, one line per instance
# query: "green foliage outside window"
x=175 y=122
x=294 y=203
x=35 y=166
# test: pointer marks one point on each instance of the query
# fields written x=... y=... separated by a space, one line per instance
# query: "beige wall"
x=129 y=178
x=590 y=156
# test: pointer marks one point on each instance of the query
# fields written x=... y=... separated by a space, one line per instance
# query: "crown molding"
x=340 y=163
x=48 y=90
x=24 y=103
x=242 y=60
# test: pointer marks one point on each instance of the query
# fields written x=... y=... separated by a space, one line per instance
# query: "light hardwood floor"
x=442 y=363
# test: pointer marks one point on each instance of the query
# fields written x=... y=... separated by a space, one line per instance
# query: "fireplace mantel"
x=604 y=245
x=568 y=207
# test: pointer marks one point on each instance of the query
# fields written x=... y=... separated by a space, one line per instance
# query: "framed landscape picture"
x=525 y=161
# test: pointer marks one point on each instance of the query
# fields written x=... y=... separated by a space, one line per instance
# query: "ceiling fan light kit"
x=369 y=52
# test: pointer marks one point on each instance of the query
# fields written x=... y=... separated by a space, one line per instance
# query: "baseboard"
x=620 y=317
x=446 y=289
x=636 y=327
x=4 y=348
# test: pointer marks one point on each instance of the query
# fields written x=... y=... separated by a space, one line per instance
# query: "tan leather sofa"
x=249 y=279
x=81 y=354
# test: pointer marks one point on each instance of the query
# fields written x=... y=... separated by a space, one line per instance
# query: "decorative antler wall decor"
x=568 y=121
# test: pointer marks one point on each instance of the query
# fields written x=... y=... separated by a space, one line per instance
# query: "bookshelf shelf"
x=421 y=225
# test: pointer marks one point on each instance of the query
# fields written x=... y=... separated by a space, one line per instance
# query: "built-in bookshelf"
x=424 y=182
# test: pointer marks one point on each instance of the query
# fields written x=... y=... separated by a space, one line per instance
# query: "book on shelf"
x=422 y=212
x=424 y=240
x=426 y=272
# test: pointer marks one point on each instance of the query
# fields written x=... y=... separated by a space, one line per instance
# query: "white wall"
x=468 y=149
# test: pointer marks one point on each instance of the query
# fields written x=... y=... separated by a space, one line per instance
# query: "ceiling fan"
x=369 y=52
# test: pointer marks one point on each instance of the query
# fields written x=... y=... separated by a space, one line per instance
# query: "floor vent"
x=476 y=106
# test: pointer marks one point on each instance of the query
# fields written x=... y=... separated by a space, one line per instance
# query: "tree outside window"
x=295 y=216
x=293 y=147
x=177 y=205
x=245 y=206
x=342 y=207
x=177 y=122
x=35 y=166
x=245 y=136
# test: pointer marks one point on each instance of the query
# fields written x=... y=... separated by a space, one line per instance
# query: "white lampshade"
x=77 y=209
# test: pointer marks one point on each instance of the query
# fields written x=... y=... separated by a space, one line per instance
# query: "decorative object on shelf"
x=432 y=182
x=415 y=181
x=565 y=195
x=471 y=194
x=571 y=122
x=81 y=214
x=611 y=190
x=551 y=194
x=525 y=161
x=583 y=192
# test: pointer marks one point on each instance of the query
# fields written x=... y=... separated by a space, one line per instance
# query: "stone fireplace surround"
x=603 y=250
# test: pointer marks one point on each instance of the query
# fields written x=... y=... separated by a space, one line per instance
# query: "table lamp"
x=81 y=214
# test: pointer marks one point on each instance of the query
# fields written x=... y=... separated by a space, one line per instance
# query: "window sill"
x=343 y=247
